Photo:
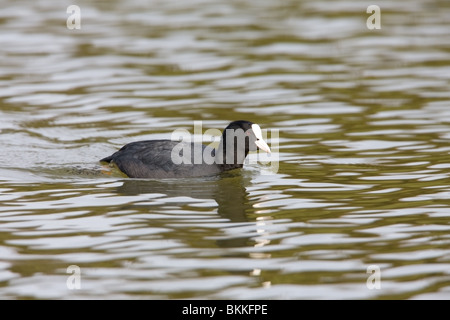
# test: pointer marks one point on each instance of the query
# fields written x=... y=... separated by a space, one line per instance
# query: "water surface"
x=359 y=176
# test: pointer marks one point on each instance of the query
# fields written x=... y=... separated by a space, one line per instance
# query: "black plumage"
x=176 y=159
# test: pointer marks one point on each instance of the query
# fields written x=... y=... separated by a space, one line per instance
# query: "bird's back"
x=163 y=159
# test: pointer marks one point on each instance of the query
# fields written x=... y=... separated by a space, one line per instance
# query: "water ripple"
x=358 y=176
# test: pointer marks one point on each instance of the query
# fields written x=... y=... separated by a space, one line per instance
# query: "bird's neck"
x=228 y=156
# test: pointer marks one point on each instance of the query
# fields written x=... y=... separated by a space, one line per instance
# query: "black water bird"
x=161 y=159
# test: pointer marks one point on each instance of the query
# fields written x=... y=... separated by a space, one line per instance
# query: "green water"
x=358 y=119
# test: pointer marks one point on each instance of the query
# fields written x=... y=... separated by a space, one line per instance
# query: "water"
x=361 y=183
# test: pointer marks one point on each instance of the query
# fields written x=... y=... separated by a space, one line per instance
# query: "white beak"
x=259 y=138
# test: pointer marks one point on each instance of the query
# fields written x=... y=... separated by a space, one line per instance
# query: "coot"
x=178 y=159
